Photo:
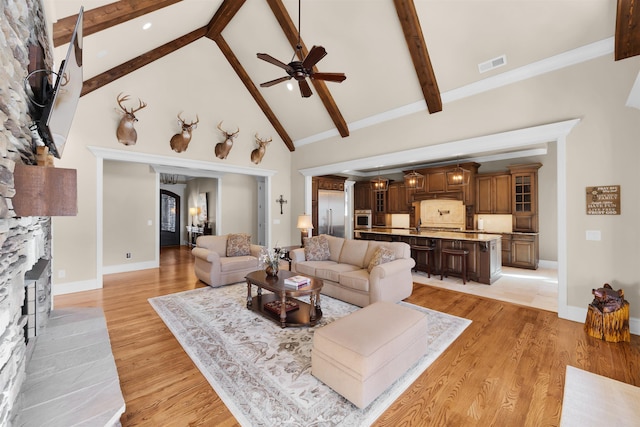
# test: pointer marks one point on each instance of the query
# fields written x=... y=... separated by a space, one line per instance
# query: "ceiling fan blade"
x=270 y=59
x=315 y=54
x=305 y=90
x=275 y=81
x=330 y=77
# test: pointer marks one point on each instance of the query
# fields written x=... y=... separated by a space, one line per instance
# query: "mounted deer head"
x=126 y=133
x=222 y=148
x=180 y=141
x=258 y=153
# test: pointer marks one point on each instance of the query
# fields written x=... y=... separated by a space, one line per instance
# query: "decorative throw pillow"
x=316 y=248
x=238 y=244
x=381 y=256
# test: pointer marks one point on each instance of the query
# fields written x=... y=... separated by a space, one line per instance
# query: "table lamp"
x=192 y=212
x=304 y=224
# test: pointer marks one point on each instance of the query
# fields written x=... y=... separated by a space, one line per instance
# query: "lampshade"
x=458 y=176
x=413 y=180
x=304 y=222
x=192 y=211
x=379 y=184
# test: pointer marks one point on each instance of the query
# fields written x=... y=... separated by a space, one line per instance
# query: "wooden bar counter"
x=484 y=262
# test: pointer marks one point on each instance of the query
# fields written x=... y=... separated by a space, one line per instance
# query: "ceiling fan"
x=300 y=70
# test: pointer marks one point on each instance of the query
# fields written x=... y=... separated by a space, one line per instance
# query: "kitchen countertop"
x=452 y=235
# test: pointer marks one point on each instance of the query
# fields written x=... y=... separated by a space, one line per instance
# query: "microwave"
x=362 y=218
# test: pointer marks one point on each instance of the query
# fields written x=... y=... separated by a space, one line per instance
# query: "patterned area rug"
x=263 y=372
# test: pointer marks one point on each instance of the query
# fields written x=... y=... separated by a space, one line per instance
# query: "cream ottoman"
x=362 y=354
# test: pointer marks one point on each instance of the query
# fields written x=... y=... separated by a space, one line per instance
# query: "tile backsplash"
x=495 y=223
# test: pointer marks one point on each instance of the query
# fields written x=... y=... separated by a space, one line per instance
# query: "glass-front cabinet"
x=524 y=180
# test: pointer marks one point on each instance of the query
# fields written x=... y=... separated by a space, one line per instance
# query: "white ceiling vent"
x=492 y=63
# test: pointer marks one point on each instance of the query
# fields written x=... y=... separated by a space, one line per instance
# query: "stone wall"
x=22 y=240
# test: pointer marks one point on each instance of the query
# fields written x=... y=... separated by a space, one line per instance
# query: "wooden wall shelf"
x=45 y=191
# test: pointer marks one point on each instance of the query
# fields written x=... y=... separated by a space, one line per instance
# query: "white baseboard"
x=552 y=265
x=126 y=268
x=579 y=314
x=69 y=288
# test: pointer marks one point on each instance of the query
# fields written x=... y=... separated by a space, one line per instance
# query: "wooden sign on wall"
x=603 y=200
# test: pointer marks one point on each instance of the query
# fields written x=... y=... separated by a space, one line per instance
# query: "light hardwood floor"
x=506 y=369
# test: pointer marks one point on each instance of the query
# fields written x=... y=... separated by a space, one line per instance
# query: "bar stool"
x=455 y=253
x=416 y=250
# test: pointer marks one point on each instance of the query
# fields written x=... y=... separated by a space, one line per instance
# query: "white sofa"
x=215 y=268
x=345 y=275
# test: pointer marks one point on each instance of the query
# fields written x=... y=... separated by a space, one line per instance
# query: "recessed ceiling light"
x=102 y=53
x=146 y=26
x=290 y=86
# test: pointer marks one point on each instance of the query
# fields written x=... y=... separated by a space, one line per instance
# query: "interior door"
x=169 y=218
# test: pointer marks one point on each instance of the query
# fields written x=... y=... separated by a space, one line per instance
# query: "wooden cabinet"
x=436 y=187
x=524 y=203
x=398 y=201
x=506 y=249
x=379 y=211
x=493 y=194
x=524 y=251
x=362 y=195
x=520 y=250
x=436 y=181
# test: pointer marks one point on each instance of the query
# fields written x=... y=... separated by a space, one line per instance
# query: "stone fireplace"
x=23 y=240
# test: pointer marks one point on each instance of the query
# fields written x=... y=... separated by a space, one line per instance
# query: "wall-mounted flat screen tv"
x=58 y=112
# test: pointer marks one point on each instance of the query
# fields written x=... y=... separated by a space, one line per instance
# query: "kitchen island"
x=484 y=262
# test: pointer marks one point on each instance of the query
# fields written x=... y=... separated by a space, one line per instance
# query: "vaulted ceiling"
x=394 y=52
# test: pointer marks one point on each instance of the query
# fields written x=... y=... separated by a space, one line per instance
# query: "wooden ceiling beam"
x=253 y=90
x=627 y=38
x=222 y=17
x=140 y=61
x=106 y=16
x=291 y=32
x=418 y=49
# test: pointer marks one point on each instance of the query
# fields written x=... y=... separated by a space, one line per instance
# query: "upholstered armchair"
x=222 y=260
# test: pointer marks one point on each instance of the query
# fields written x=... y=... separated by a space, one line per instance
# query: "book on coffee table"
x=297 y=281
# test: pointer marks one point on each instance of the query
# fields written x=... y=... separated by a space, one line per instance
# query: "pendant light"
x=458 y=176
x=379 y=183
x=414 y=181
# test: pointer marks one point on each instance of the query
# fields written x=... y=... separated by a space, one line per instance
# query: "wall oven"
x=362 y=218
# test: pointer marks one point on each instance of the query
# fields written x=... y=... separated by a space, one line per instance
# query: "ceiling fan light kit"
x=300 y=70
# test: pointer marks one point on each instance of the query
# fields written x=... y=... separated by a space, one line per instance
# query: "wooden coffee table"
x=304 y=315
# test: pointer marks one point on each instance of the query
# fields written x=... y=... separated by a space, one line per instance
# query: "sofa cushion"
x=310 y=267
x=236 y=263
x=356 y=279
x=333 y=272
x=398 y=249
x=238 y=245
x=381 y=256
x=353 y=252
x=316 y=248
x=335 y=247
x=216 y=244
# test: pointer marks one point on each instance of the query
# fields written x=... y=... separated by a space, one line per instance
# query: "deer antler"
x=140 y=107
x=229 y=135
x=121 y=99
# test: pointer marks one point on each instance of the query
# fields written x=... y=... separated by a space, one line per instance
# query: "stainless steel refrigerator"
x=331 y=212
